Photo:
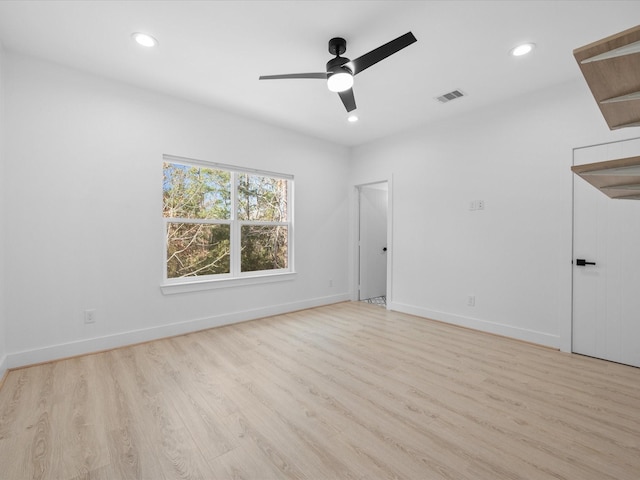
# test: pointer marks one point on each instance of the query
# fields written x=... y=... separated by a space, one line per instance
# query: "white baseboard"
x=524 y=334
x=92 y=345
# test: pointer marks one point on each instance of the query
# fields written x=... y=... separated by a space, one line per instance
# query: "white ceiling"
x=212 y=52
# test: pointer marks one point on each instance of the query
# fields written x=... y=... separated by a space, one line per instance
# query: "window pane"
x=264 y=247
x=262 y=198
x=195 y=249
x=196 y=192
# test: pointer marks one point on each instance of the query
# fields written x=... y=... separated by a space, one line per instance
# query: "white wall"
x=80 y=225
x=3 y=345
x=515 y=255
x=84 y=158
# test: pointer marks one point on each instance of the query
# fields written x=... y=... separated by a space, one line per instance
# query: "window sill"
x=198 y=286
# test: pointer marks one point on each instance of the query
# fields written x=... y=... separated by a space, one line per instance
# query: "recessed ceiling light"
x=144 y=39
x=522 y=49
x=352 y=118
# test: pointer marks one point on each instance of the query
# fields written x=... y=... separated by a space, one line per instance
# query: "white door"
x=606 y=289
x=373 y=240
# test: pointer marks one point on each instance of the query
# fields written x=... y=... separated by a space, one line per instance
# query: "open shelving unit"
x=611 y=67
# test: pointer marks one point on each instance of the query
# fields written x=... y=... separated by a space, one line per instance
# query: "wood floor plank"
x=79 y=441
x=174 y=449
x=346 y=391
x=124 y=439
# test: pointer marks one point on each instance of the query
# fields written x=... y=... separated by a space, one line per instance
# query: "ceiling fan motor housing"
x=339 y=75
x=338 y=64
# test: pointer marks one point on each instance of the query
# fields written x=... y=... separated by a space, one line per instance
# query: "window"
x=224 y=222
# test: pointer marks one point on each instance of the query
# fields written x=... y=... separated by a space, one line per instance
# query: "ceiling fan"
x=340 y=70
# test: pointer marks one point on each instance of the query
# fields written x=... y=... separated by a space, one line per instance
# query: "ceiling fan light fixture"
x=144 y=39
x=340 y=81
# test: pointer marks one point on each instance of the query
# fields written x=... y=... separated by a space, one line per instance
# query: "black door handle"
x=581 y=262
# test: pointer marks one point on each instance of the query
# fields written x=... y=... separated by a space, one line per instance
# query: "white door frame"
x=356 y=232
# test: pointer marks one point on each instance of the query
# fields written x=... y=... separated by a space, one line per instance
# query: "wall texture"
x=84 y=156
x=515 y=255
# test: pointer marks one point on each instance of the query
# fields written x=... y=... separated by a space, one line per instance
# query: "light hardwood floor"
x=348 y=391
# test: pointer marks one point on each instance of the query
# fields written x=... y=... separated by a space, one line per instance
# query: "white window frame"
x=235 y=277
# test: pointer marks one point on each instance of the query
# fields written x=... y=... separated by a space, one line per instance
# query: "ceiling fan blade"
x=348 y=99
x=380 y=53
x=320 y=75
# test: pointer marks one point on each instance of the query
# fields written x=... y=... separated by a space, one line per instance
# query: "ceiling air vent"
x=447 y=97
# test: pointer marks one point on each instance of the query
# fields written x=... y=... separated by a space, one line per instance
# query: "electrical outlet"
x=471 y=300
x=89 y=316
x=480 y=204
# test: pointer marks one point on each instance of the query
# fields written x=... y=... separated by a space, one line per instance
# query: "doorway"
x=373 y=202
x=606 y=255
